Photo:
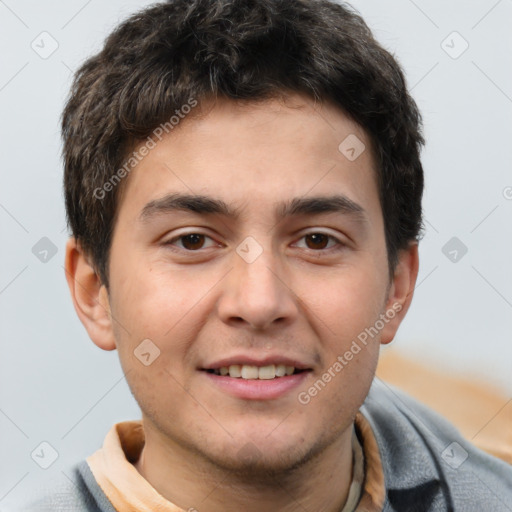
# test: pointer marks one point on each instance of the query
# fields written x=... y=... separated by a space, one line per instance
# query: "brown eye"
x=320 y=242
x=191 y=242
x=317 y=241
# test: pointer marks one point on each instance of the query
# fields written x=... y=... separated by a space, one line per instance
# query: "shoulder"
x=76 y=491
x=424 y=456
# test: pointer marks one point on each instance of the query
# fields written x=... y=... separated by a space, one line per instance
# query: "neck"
x=190 y=481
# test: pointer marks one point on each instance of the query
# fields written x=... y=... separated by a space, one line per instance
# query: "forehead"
x=252 y=154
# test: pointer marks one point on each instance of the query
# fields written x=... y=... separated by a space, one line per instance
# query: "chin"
x=262 y=458
x=249 y=462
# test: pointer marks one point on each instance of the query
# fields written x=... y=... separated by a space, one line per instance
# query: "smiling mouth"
x=251 y=372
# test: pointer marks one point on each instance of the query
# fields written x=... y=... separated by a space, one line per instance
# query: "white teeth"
x=267 y=372
x=280 y=370
x=248 y=371
x=235 y=370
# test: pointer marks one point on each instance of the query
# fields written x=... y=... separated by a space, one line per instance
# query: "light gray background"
x=56 y=386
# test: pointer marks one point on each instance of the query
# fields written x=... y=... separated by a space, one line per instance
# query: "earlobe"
x=89 y=295
x=401 y=291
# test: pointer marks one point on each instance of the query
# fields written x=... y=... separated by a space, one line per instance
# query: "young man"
x=243 y=186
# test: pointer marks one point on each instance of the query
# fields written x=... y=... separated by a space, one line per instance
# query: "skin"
x=200 y=303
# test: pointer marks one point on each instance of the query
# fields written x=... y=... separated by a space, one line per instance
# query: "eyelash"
x=339 y=243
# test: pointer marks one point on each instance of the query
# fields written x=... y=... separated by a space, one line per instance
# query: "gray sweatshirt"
x=428 y=466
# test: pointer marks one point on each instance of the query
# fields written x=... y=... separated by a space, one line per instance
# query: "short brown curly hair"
x=161 y=57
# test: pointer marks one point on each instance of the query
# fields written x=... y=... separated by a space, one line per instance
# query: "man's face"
x=248 y=286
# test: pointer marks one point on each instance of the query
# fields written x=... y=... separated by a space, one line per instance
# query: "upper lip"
x=257 y=361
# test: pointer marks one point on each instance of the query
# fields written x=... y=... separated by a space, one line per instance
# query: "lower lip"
x=258 y=389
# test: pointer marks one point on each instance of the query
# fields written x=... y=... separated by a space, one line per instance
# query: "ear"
x=90 y=296
x=401 y=291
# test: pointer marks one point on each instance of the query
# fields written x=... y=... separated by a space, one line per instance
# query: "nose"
x=257 y=295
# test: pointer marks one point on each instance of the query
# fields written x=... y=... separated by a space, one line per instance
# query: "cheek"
x=349 y=300
x=165 y=307
x=154 y=300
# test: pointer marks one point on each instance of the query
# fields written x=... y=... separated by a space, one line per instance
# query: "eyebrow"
x=207 y=205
